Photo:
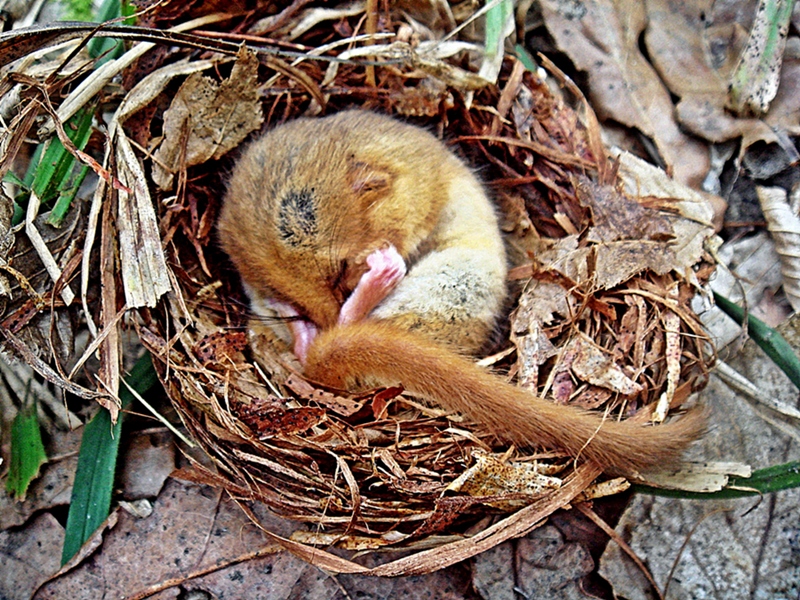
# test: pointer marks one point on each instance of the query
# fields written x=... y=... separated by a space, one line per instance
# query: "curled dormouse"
x=385 y=249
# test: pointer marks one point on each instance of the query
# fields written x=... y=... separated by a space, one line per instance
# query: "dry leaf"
x=601 y=38
x=533 y=349
x=619 y=261
x=672 y=355
x=604 y=489
x=550 y=563
x=698 y=477
x=39 y=245
x=341 y=406
x=591 y=364
x=631 y=237
x=220 y=346
x=144 y=269
x=754 y=270
x=564 y=256
x=29 y=555
x=425 y=59
x=491 y=476
x=695 y=47
x=784 y=225
x=540 y=302
x=423 y=99
x=207 y=119
x=689 y=213
x=617 y=217
x=755 y=81
x=6 y=239
x=148 y=458
x=353 y=543
x=191 y=533
x=266 y=417
x=315 y=16
x=148 y=89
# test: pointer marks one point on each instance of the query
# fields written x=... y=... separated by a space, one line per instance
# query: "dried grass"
x=371 y=471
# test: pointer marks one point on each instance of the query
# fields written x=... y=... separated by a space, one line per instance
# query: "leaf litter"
x=376 y=467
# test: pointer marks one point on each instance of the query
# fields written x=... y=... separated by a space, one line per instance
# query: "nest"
x=608 y=255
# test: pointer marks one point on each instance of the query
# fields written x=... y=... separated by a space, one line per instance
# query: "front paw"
x=386 y=269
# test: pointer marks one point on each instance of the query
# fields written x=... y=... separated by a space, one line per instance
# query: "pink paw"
x=386 y=269
x=304 y=333
x=303 y=330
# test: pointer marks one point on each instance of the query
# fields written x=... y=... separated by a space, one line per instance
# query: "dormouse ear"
x=364 y=177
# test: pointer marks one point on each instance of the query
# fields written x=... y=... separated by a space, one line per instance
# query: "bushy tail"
x=384 y=354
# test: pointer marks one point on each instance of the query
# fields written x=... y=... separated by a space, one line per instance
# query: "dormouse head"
x=310 y=200
x=295 y=221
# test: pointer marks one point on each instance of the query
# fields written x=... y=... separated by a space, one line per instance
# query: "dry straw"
x=605 y=269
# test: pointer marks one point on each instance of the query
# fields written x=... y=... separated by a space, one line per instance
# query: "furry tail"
x=379 y=353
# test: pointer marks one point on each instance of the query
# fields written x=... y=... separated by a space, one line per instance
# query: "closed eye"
x=338 y=283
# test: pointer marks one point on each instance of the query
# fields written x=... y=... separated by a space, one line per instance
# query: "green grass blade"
x=496 y=20
x=33 y=166
x=13 y=179
x=109 y=47
x=25 y=186
x=498 y=25
x=763 y=481
x=51 y=171
x=526 y=58
x=66 y=196
x=57 y=163
x=768 y=339
x=94 y=478
x=27 y=450
x=77 y=10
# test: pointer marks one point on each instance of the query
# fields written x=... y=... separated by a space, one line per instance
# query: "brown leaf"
x=145 y=275
x=602 y=38
x=533 y=349
x=696 y=57
x=190 y=533
x=689 y=213
x=267 y=417
x=594 y=366
x=619 y=261
x=491 y=476
x=380 y=401
x=339 y=405
x=147 y=460
x=672 y=357
x=447 y=512
x=423 y=100
x=540 y=303
x=566 y=257
x=618 y=217
x=29 y=555
x=592 y=397
x=219 y=346
x=784 y=225
x=207 y=119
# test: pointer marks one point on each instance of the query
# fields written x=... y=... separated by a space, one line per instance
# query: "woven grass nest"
x=608 y=255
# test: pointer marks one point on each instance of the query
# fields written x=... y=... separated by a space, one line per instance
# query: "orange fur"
x=390 y=355
x=313 y=199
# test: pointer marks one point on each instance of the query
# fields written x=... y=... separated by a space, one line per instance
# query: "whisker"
x=267 y=320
